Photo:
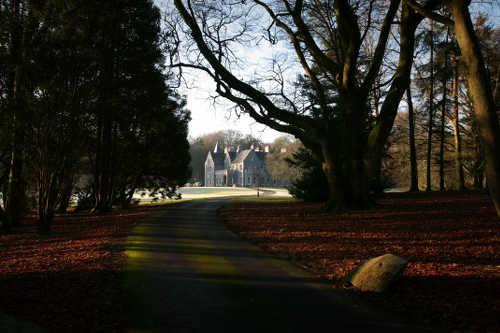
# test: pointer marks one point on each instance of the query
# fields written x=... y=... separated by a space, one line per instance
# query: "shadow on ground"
x=187 y=273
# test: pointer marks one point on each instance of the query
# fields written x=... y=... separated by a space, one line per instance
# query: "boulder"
x=377 y=274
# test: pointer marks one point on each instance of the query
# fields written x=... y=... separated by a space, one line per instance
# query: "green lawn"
x=190 y=193
x=263 y=200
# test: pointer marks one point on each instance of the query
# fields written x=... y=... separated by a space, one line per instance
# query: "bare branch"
x=430 y=14
x=350 y=37
x=369 y=23
x=298 y=50
x=381 y=47
x=223 y=74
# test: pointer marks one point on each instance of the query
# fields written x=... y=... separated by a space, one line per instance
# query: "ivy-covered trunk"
x=377 y=138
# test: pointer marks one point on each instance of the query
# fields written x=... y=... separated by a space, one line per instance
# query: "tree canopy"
x=343 y=49
x=85 y=106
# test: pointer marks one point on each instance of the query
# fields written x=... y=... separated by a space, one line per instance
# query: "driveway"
x=187 y=273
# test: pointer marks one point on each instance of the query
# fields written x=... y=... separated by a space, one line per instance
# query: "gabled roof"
x=218 y=159
x=242 y=155
x=261 y=155
x=232 y=155
x=209 y=157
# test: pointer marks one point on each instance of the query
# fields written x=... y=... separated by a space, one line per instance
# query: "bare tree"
x=334 y=121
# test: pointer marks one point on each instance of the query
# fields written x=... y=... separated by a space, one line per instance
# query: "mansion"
x=243 y=168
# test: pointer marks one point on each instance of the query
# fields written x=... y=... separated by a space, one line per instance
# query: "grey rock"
x=377 y=274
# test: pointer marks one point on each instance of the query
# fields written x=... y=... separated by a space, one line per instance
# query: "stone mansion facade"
x=243 y=168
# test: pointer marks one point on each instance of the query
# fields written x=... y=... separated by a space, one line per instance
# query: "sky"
x=208 y=117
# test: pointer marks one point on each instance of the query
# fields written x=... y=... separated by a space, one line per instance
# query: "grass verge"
x=261 y=200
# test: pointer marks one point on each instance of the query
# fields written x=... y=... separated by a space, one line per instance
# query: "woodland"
x=86 y=111
x=372 y=95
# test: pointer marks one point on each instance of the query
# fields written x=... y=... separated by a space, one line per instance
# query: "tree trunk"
x=479 y=162
x=496 y=92
x=482 y=96
x=126 y=197
x=103 y=174
x=45 y=216
x=15 y=199
x=413 y=149
x=65 y=196
x=3 y=218
x=15 y=196
x=443 y=123
x=459 y=169
x=347 y=181
x=431 y=115
x=47 y=194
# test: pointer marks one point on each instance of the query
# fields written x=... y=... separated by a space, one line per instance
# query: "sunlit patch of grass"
x=220 y=194
x=135 y=254
x=263 y=200
x=162 y=202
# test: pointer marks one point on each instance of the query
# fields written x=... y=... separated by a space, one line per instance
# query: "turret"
x=217 y=148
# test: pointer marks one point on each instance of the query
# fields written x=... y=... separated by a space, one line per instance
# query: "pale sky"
x=208 y=117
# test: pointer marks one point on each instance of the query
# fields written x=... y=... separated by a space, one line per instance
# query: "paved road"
x=187 y=273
